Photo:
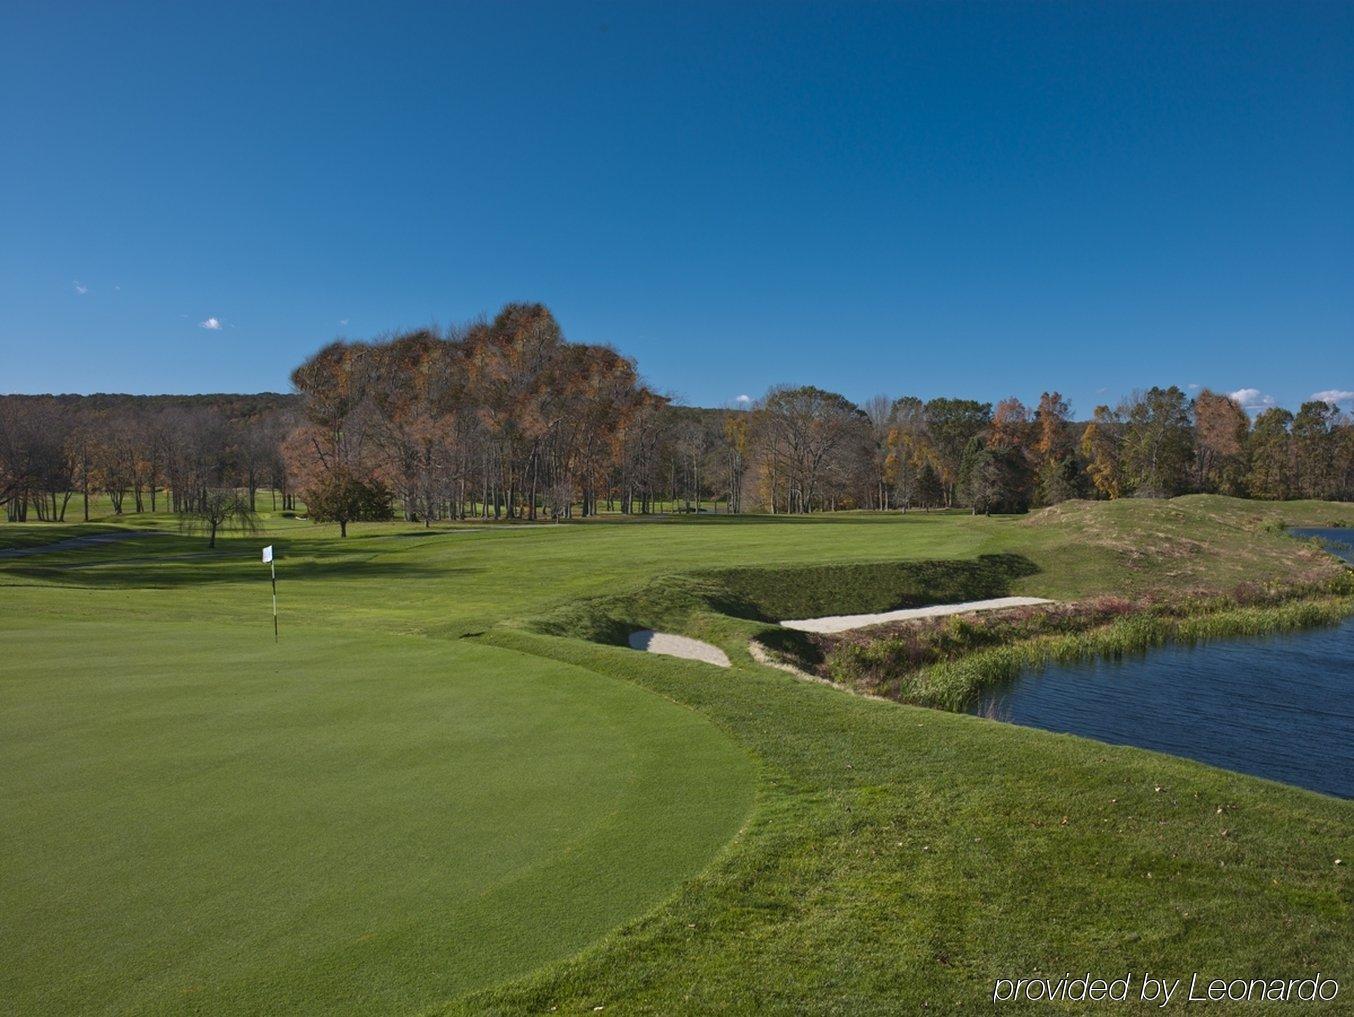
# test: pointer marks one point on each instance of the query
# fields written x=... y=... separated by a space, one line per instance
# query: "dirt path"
x=678 y=646
x=846 y=622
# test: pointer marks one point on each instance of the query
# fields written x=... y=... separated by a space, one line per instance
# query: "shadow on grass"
x=818 y=519
x=176 y=566
x=815 y=591
x=793 y=644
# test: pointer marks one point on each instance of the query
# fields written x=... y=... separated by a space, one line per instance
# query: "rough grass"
x=1199 y=543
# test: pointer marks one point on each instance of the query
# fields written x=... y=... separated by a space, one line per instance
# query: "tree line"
x=506 y=419
x=143 y=453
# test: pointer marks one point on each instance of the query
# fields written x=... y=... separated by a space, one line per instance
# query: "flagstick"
x=272 y=567
x=272 y=572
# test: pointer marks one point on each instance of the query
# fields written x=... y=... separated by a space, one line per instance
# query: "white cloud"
x=1193 y=384
x=1252 y=399
x=343 y=321
x=80 y=287
x=1334 y=396
x=744 y=399
x=211 y=323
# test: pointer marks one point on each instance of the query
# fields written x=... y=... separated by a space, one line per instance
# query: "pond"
x=1280 y=707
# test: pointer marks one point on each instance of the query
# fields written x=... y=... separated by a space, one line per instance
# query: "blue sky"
x=966 y=199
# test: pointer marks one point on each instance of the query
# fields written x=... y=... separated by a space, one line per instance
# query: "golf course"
x=450 y=787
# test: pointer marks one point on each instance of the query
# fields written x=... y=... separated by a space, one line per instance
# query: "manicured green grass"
x=197 y=820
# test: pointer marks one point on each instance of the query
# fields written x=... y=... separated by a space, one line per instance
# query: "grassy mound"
x=771 y=594
x=775 y=594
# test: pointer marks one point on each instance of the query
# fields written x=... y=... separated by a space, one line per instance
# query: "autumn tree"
x=735 y=450
x=1054 y=451
x=805 y=428
x=1101 y=448
x=1010 y=442
x=1220 y=426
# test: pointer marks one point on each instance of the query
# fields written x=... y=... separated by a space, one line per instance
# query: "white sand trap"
x=678 y=646
x=846 y=622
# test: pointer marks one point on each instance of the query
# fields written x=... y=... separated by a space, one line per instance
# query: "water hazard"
x=1279 y=706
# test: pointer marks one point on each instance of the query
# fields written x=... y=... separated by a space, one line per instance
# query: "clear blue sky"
x=925 y=199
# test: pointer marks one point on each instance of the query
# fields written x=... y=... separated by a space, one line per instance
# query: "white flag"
x=268 y=554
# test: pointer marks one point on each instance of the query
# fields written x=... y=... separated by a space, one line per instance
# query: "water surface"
x=1339 y=540
x=1279 y=706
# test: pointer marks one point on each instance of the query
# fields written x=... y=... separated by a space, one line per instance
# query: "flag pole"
x=272 y=571
x=272 y=567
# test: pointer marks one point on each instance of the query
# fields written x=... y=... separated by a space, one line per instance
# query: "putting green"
x=195 y=820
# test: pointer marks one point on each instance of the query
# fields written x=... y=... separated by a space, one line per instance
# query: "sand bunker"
x=678 y=646
x=846 y=622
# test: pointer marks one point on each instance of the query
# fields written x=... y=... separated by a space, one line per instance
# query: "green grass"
x=434 y=786
x=198 y=821
x=901 y=859
x=26 y=536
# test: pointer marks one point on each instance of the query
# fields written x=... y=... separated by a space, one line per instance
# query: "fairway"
x=203 y=821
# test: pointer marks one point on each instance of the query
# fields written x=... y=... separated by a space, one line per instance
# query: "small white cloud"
x=744 y=399
x=211 y=323
x=343 y=321
x=1101 y=391
x=1193 y=384
x=80 y=287
x=1334 y=396
x=1252 y=399
x=118 y=288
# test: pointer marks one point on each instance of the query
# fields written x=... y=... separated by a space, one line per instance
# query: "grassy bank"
x=696 y=600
